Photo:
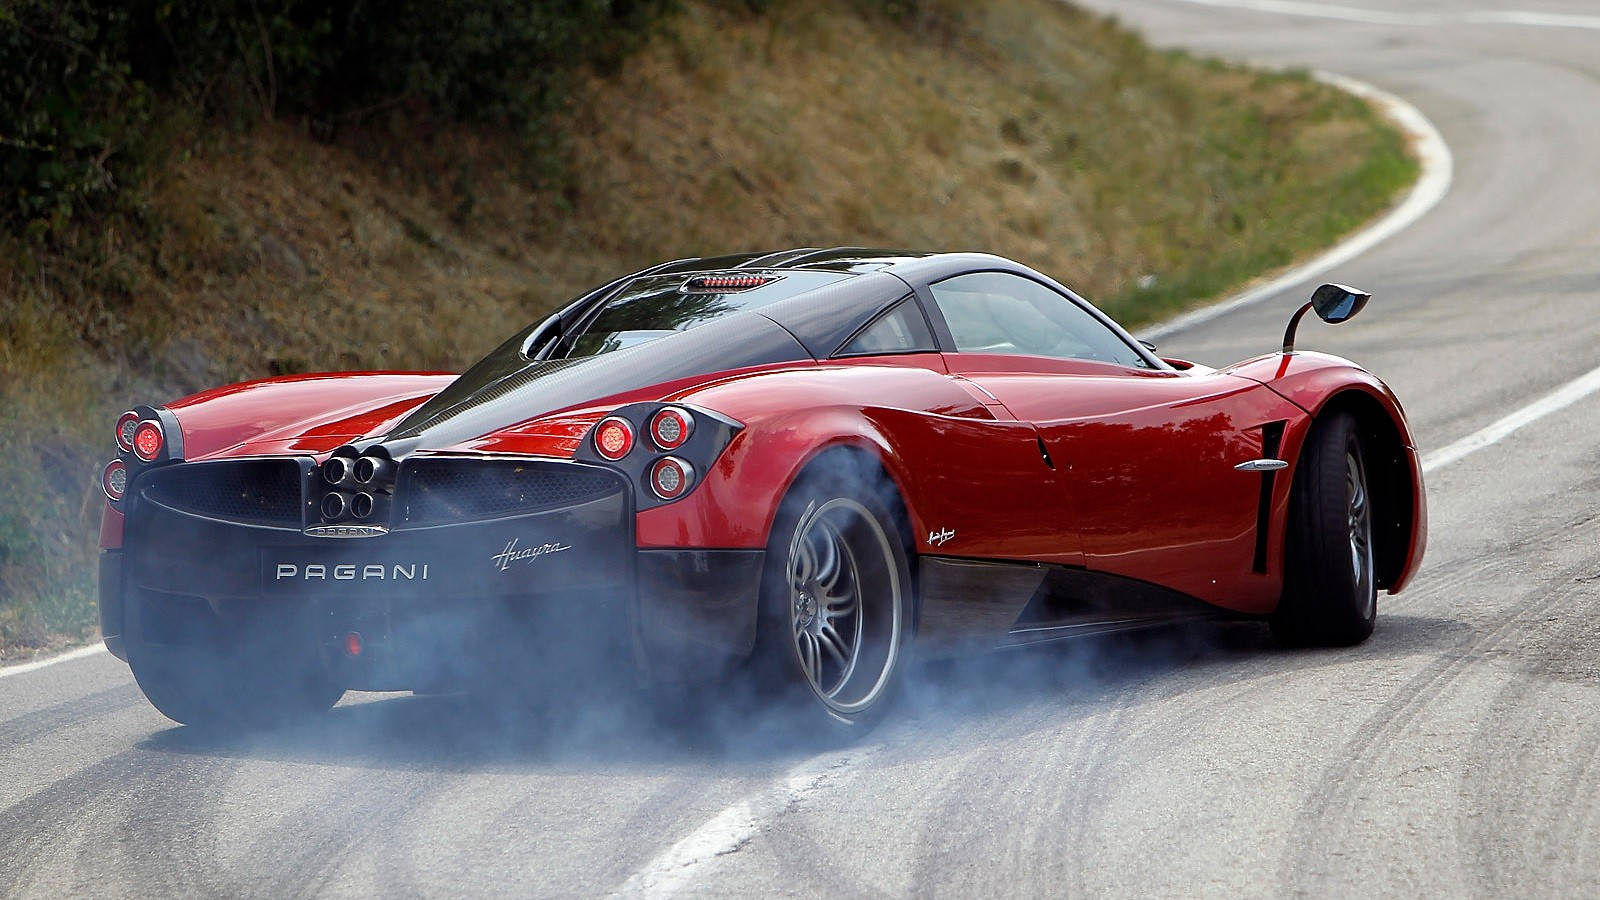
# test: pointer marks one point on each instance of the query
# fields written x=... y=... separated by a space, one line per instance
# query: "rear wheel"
x=1330 y=584
x=837 y=597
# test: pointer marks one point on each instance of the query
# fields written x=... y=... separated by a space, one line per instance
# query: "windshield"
x=652 y=308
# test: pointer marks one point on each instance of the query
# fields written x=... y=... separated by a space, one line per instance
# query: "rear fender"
x=737 y=500
x=299 y=414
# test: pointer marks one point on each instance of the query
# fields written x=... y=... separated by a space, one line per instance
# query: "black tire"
x=229 y=682
x=1330 y=593
x=838 y=665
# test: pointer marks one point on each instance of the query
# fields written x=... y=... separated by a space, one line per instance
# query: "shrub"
x=80 y=75
x=69 y=107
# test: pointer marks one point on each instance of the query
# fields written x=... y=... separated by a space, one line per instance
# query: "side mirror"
x=1334 y=303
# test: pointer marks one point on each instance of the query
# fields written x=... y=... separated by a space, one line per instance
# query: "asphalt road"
x=1455 y=753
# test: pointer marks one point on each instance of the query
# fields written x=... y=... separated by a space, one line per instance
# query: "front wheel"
x=837 y=607
x=1330 y=586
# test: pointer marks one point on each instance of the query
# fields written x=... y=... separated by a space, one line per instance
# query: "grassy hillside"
x=1147 y=180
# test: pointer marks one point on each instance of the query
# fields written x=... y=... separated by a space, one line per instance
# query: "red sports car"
x=796 y=466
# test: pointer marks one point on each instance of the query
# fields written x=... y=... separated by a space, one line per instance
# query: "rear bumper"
x=431 y=605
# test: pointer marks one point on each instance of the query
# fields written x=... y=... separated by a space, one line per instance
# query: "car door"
x=981 y=465
x=1147 y=453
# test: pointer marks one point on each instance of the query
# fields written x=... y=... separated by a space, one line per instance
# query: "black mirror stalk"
x=1334 y=303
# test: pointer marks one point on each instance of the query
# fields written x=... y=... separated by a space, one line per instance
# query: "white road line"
x=1438 y=168
x=1366 y=16
x=683 y=863
x=69 y=656
x=1560 y=399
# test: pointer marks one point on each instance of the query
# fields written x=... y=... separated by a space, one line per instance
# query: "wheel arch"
x=1392 y=470
x=865 y=459
x=736 y=504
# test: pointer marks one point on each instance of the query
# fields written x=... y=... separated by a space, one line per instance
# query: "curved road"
x=1456 y=753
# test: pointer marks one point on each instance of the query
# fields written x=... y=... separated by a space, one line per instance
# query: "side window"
x=899 y=329
x=996 y=312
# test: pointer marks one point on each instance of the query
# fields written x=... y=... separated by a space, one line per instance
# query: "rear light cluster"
x=670 y=477
x=142 y=439
x=613 y=438
x=126 y=423
x=148 y=440
x=670 y=428
x=670 y=463
x=114 y=479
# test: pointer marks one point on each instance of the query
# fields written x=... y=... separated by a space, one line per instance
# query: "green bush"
x=69 y=107
x=80 y=75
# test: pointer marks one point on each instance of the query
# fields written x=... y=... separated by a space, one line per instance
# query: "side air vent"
x=1271 y=445
x=435 y=491
x=248 y=491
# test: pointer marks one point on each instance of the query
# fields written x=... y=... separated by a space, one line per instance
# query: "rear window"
x=655 y=307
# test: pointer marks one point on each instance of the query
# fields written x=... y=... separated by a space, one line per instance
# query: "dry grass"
x=1029 y=129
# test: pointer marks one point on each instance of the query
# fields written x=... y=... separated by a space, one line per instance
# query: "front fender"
x=1317 y=381
x=1310 y=380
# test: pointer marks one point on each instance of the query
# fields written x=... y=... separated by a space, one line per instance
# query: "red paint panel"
x=957 y=467
x=1148 y=459
x=1309 y=380
x=559 y=432
x=556 y=435
x=318 y=410
x=1163 y=501
x=111 y=522
x=915 y=381
x=985 y=487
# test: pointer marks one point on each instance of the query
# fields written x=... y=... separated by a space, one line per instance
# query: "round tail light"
x=148 y=440
x=126 y=423
x=671 y=427
x=670 y=477
x=613 y=438
x=114 y=479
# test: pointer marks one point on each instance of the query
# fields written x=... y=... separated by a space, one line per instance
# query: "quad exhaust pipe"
x=369 y=469
x=335 y=505
x=361 y=505
x=338 y=471
x=359 y=486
